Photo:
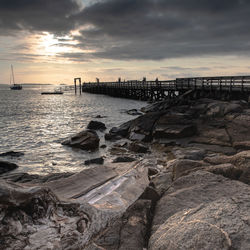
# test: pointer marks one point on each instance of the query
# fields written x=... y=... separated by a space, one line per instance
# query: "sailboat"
x=14 y=86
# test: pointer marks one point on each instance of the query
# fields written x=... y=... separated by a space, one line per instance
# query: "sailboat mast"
x=12 y=72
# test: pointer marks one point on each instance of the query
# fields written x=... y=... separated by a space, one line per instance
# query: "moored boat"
x=57 y=92
x=14 y=86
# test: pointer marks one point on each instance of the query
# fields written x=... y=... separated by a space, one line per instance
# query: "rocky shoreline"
x=179 y=180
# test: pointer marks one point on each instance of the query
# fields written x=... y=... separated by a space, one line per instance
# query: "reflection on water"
x=36 y=124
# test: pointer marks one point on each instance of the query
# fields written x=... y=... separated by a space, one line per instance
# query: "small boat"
x=14 y=86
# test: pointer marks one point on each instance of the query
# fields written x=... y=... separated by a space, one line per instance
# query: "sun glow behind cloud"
x=50 y=47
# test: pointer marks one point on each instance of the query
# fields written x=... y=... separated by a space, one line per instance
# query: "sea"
x=36 y=125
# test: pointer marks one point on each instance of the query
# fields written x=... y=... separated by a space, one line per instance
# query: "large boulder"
x=86 y=140
x=6 y=166
x=174 y=126
x=96 y=125
x=202 y=211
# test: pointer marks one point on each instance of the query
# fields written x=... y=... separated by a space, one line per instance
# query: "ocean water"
x=36 y=125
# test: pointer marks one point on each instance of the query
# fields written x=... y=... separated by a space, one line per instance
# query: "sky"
x=53 y=41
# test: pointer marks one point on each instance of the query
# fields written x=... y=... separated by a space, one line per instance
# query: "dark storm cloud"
x=37 y=15
x=159 y=29
x=138 y=29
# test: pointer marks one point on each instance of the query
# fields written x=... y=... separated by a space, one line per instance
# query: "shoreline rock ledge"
x=66 y=213
x=190 y=191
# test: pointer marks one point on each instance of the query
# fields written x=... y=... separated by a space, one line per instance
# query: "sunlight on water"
x=36 y=124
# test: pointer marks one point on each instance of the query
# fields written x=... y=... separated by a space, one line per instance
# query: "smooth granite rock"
x=67 y=213
x=202 y=211
x=86 y=140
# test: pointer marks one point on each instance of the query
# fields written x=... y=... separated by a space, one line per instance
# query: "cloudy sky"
x=53 y=41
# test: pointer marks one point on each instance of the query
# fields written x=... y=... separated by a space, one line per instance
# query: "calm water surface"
x=36 y=124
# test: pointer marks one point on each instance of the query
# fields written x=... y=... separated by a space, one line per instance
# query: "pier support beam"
x=80 y=85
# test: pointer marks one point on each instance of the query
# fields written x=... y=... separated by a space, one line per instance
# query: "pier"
x=223 y=87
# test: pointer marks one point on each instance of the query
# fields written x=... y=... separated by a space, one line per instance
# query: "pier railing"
x=232 y=86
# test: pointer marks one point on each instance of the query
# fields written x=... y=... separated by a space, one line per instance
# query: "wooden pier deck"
x=225 y=87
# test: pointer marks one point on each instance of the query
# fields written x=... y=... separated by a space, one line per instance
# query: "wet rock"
x=138 y=147
x=34 y=178
x=96 y=125
x=118 y=151
x=98 y=160
x=202 y=211
x=86 y=140
x=137 y=137
x=122 y=130
x=133 y=112
x=112 y=137
x=19 y=177
x=12 y=154
x=6 y=166
x=100 y=116
x=103 y=146
x=123 y=159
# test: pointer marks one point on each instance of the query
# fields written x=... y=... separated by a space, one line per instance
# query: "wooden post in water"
x=80 y=85
x=75 y=85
